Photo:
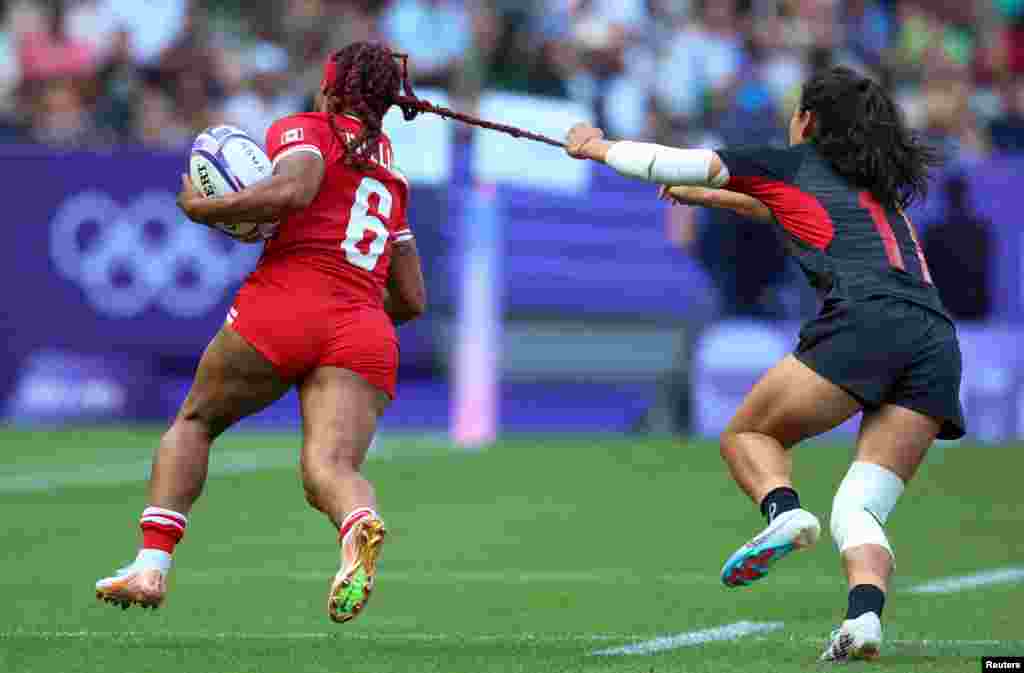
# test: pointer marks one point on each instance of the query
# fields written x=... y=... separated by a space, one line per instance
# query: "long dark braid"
x=369 y=79
x=412 y=106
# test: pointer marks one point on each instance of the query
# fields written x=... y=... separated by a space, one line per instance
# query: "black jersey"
x=848 y=244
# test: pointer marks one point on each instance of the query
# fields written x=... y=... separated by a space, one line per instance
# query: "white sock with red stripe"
x=162 y=529
x=354 y=517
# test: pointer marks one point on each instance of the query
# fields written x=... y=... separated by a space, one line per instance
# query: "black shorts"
x=889 y=351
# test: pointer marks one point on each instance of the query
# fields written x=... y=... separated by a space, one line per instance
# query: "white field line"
x=111 y=474
x=424 y=637
x=938 y=642
x=948 y=585
x=36 y=478
x=691 y=638
x=414 y=636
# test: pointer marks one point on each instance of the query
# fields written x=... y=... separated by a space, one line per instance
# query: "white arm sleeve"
x=665 y=165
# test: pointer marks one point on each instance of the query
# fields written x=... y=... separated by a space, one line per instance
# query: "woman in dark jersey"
x=882 y=344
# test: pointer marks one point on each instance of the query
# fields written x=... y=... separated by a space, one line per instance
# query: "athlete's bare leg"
x=892 y=443
x=789 y=404
x=897 y=439
x=339 y=418
x=233 y=381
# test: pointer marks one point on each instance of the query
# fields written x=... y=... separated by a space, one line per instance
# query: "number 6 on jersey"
x=366 y=217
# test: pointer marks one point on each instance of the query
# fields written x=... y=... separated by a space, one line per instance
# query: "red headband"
x=330 y=73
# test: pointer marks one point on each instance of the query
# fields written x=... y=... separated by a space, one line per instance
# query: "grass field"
x=530 y=556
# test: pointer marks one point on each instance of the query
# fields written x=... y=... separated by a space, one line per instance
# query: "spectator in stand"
x=10 y=67
x=49 y=52
x=435 y=34
x=154 y=25
x=866 y=31
x=668 y=17
x=555 y=60
x=746 y=259
x=118 y=84
x=480 y=60
x=950 y=125
x=513 y=49
x=610 y=36
x=60 y=117
x=1013 y=38
x=190 y=68
x=1007 y=131
x=306 y=29
x=267 y=97
x=95 y=23
x=918 y=31
x=782 y=66
x=510 y=52
x=702 y=61
x=311 y=30
x=358 y=21
x=959 y=251
x=156 y=123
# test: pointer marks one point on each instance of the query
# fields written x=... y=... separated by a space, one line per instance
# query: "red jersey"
x=341 y=244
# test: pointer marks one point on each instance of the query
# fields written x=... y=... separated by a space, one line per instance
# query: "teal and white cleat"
x=859 y=638
x=790 y=530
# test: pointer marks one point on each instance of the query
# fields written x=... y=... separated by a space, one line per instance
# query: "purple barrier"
x=98 y=262
x=995 y=196
x=731 y=356
x=996 y=188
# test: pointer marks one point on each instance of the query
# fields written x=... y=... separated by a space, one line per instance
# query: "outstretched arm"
x=647 y=161
x=741 y=204
x=294 y=185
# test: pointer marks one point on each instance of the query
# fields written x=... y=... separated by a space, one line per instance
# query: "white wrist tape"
x=665 y=165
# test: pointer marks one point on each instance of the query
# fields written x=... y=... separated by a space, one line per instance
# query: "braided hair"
x=365 y=79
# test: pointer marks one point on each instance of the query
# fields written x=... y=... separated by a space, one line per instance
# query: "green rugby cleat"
x=351 y=587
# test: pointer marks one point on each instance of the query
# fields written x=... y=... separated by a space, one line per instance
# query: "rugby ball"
x=225 y=159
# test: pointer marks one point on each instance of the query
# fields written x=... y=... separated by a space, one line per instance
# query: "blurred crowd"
x=81 y=73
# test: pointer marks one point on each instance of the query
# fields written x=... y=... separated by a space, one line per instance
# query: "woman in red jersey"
x=883 y=344
x=317 y=313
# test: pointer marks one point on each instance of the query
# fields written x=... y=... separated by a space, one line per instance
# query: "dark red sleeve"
x=769 y=175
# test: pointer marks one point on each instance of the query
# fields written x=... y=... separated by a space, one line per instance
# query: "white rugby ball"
x=225 y=159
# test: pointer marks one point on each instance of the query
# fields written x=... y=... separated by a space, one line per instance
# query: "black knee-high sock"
x=779 y=500
x=865 y=598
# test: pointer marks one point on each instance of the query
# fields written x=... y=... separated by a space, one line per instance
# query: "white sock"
x=359 y=513
x=153 y=558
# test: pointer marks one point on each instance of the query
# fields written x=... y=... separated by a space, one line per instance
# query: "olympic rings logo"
x=128 y=260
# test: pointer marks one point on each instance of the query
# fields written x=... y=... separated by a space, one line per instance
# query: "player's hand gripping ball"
x=224 y=159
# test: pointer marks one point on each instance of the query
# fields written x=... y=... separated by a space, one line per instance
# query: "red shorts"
x=299 y=333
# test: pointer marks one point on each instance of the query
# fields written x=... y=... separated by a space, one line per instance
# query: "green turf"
x=526 y=557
